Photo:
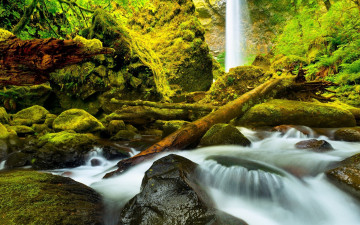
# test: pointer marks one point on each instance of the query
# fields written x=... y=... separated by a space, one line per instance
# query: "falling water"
x=2 y=165
x=236 y=14
x=263 y=190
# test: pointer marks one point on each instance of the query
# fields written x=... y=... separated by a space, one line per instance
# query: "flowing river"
x=291 y=190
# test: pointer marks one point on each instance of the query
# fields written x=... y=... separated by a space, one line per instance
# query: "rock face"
x=77 y=120
x=314 y=145
x=278 y=112
x=171 y=195
x=29 y=116
x=63 y=149
x=212 y=16
x=347 y=175
x=224 y=134
x=29 y=197
x=348 y=134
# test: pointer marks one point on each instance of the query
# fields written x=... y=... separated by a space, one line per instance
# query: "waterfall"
x=236 y=15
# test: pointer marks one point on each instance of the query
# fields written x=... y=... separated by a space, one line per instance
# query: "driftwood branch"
x=192 y=132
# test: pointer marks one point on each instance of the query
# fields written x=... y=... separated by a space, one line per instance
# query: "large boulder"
x=29 y=116
x=224 y=134
x=29 y=197
x=78 y=120
x=351 y=134
x=347 y=175
x=277 y=112
x=170 y=195
x=63 y=149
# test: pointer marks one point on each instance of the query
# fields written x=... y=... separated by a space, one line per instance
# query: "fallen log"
x=197 y=107
x=29 y=62
x=192 y=132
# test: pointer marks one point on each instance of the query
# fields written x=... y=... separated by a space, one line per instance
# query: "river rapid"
x=291 y=190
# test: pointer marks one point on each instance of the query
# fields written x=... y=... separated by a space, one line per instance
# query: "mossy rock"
x=21 y=97
x=17 y=159
x=78 y=120
x=287 y=63
x=63 y=149
x=125 y=135
x=170 y=126
x=347 y=175
x=278 y=112
x=29 y=197
x=22 y=130
x=238 y=81
x=4 y=117
x=4 y=134
x=348 y=134
x=224 y=134
x=50 y=119
x=4 y=34
x=29 y=116
x=115 y=125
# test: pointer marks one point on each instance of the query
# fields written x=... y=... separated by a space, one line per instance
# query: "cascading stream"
x=236 y=14
x=268 y=195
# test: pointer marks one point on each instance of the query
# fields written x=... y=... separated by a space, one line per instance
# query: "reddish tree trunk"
x=31 y=61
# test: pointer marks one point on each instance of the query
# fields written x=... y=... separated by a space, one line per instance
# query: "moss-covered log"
x=31 y=61
x=192 y=132
x=197 y=107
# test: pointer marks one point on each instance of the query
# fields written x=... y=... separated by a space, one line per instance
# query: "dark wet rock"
x=224 y=134
x=95 y=162
x=29 y=197
x=314 y=145
x=348 y=134
x=63 y=149
x=112 y=152
x=347 y=175
x=17 y=159
x=170 y=194
x=30 y=116
x=78 y=120
x=277 y=112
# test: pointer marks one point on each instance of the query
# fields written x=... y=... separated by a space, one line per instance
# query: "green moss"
x=66 y=138
x=4 y=117
x=3 y=132
x=289 y=63
x=31 y=115
x=279 y=112
x=235 y=83
x=224 y=134
x=78 y=120
x=4 y=34
x=29 y=197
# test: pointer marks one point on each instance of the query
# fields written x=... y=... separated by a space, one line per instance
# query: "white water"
x=256 y=196
x=2 y=165
x=236 y=13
